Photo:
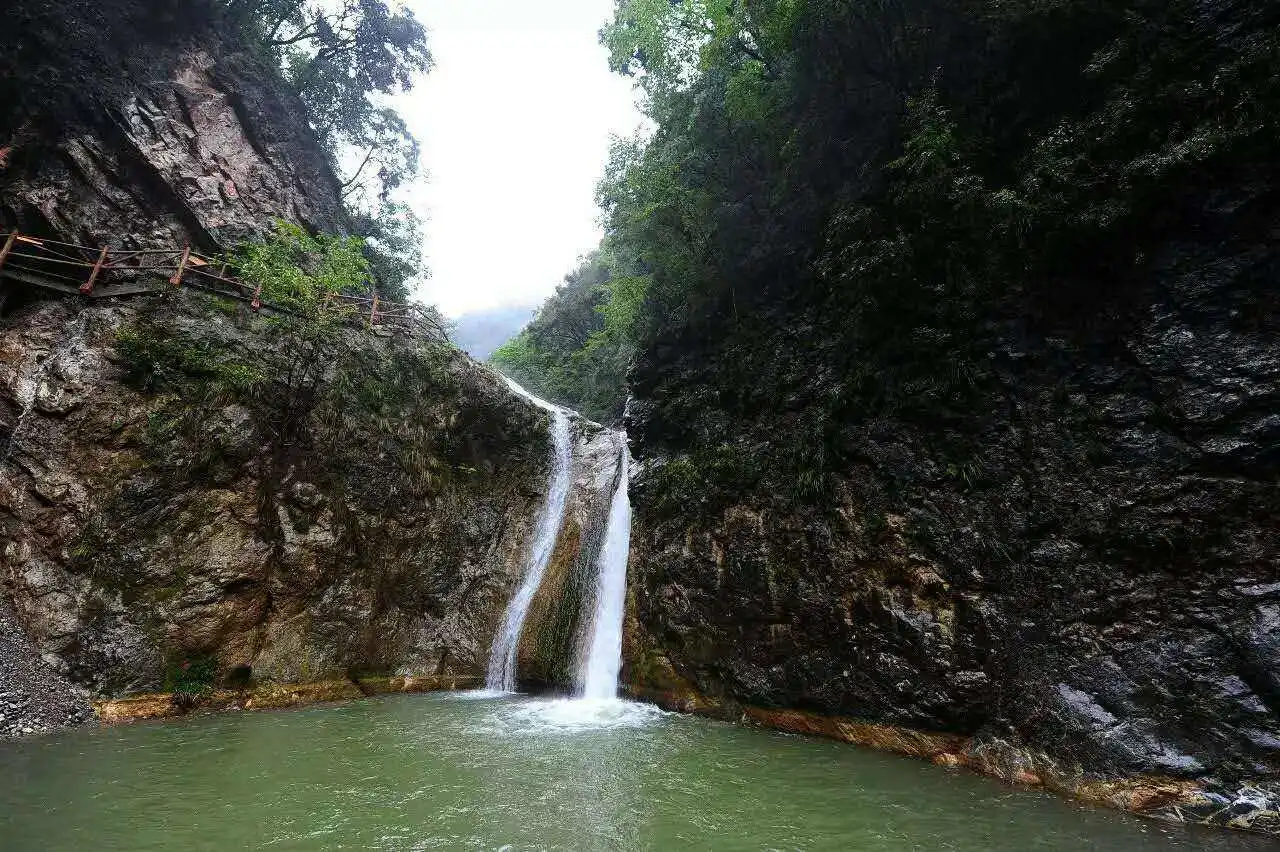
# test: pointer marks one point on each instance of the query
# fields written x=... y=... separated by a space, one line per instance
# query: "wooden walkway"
x=103 y=272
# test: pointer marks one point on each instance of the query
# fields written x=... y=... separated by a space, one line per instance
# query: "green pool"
x=450 y=772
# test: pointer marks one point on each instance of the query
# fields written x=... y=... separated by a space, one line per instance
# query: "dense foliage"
x=577 y=349
x=342 y=58
x=300 y=274
x=841 y=200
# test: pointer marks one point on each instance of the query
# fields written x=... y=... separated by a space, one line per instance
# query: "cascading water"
x=27 y=397
x=597 y=708
x=599 y=673
x=501 y=676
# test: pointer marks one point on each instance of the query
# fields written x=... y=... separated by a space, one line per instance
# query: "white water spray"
x=599 y=675
x=501 y=676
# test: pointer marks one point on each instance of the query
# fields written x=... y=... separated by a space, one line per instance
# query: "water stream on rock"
x=597 y=704
x=501 y=675
x=599 y=674
x=27 y=396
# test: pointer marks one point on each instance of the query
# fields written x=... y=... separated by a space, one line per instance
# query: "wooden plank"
x=176 y=280
x=36 y=280
x=87 y=287
x=105 y=292
x=8 y=247
x=111 y=291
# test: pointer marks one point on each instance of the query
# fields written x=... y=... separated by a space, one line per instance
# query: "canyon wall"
x=192 y=499
x=164 y=531
x=1085 y=566
x=1017 y=485
x=151 y=125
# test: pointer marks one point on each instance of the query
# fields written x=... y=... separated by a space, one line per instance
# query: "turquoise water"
x=445 y=772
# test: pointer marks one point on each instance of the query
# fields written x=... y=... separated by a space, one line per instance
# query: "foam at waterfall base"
x=533 y=716
x=480 y=694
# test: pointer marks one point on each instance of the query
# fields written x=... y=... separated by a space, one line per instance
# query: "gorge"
x=902 y=471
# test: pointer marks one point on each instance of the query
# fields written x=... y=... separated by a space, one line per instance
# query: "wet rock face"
x=1095 y=577
x=148 y=125
x=155 y=538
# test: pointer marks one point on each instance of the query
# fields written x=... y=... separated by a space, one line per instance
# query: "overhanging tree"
x=342 y=57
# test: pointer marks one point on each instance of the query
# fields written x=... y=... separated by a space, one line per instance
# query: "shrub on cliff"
x=304 y=362
x=300 y=274
x=295 y=381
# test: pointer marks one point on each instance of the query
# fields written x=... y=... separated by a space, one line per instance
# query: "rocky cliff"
x=1074 y=570
x=164 y=530
x=150 y=125
x=192 y=499
x=1098 y=583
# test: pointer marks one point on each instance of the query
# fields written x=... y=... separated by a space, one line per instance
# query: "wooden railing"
x=105 y=272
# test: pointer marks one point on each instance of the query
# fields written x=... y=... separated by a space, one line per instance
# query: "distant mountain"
x=480 y=332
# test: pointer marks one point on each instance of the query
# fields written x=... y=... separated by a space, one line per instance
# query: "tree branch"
x=297 y=6
x=304 y=35
x=349 y=185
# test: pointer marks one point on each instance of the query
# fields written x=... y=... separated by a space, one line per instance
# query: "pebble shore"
x=34 y=699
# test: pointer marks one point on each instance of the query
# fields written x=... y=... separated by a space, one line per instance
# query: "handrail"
x=30 y=256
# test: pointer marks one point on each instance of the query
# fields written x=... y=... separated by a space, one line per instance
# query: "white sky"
x=515 y=121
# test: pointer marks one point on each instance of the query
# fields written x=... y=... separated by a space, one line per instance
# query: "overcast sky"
x=514 y=122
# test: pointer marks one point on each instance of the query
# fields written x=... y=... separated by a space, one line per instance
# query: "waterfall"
x=502 y=658
x=599 y=674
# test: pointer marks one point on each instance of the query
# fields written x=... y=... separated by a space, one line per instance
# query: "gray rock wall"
x=1085 y=564
x=149 y=125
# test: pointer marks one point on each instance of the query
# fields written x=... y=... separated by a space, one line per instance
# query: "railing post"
x=373 y=312
x=8 y=247
x=176 y=280
x=87 y=287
